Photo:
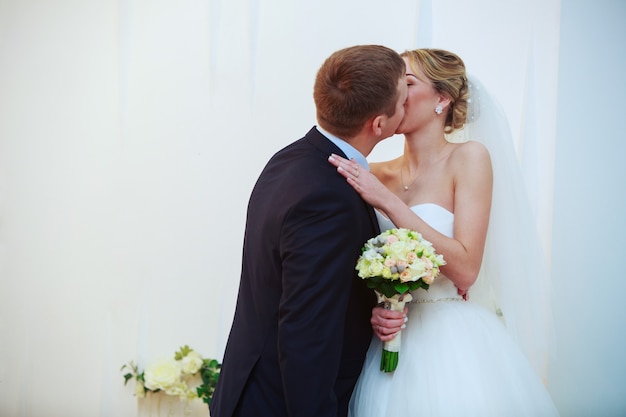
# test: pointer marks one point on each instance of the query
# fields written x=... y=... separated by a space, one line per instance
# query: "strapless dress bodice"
x=441 y=220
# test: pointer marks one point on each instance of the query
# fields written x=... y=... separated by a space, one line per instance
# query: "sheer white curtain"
x=131 y=134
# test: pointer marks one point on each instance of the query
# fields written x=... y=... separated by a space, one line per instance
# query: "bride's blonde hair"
x=446 y=71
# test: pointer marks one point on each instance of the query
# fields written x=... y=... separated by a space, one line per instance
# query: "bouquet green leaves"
x=394 y=263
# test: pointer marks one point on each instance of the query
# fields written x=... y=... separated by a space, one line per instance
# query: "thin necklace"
x=406 y=187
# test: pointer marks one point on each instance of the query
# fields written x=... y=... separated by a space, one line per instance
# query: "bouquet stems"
x=388 y=361
x=391 y=349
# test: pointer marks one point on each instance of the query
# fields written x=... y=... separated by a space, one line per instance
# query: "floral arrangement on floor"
x=187 y=375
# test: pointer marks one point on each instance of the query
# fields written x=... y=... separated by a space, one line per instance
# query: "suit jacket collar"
x=347 y=148
x=324 y=144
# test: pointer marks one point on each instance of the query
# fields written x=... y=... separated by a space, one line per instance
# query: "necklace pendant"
x=406 y=187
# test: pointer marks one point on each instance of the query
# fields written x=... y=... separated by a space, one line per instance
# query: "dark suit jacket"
x=301 y=327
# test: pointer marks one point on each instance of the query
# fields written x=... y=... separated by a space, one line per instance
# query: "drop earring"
x=438 y=110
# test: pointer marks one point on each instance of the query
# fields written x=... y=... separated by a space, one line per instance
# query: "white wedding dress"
x=456 y=358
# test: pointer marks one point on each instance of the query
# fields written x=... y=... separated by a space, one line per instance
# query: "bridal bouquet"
x=394 y=263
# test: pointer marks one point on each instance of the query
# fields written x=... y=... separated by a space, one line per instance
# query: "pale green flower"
x=376 y=269
x=386 y=273
x=369 y=265
x=140 y=390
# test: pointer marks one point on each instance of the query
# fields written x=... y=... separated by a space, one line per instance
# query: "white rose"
x=418 y=268
x=192 y=363
x=376 y=269
x=162 y=374
x=399 y=249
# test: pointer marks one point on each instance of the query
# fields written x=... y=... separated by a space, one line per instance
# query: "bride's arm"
x=472 y=205
x=472 y=202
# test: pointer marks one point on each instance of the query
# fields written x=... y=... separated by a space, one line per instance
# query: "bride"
x=465 y=349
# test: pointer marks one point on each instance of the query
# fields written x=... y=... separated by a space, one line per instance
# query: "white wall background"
x=588 y=377
x=131 y=133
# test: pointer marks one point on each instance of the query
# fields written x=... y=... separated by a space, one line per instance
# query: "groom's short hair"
x=355 y=84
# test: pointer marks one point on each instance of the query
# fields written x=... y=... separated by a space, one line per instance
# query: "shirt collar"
x=350 y=151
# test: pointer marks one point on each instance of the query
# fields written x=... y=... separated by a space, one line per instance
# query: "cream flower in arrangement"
x=166 y=375
x=191 y=363
x=187 y=376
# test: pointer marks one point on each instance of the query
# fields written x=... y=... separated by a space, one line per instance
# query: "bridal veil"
x=514 y=280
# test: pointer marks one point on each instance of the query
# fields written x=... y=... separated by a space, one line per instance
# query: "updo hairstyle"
x=446 y=71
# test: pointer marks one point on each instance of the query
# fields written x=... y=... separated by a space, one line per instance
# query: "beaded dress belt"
x=435 y=300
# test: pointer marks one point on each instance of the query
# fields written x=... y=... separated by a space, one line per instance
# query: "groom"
x=302 y=322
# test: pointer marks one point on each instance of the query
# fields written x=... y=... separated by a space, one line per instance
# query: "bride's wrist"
x=394 y=206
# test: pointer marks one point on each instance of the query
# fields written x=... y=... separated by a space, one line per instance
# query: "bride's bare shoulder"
x=386 y=169
x=472 y=152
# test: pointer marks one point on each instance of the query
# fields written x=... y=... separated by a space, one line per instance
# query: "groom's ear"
x=377 y=125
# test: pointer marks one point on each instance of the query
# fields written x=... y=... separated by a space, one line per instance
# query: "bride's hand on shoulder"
x=364 y=182
x=387 y=323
